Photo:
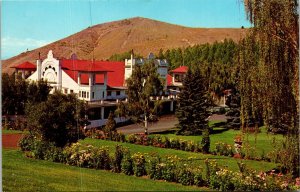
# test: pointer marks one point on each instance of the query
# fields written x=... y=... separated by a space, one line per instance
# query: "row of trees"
x=217 y=62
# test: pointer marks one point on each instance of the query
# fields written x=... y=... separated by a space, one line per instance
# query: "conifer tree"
x=193 y=102
x=110 y=127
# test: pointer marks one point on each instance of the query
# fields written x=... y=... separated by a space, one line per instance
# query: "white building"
x=99 y=83
x=161 y=64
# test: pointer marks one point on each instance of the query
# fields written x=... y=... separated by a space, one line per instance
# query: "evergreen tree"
x=110 y=127
x=193 y=103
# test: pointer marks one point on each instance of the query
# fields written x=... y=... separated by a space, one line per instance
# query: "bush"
x=54 y=154
x=155 y=168
x=224 y=149
x=205 y=141
x=117 y=161
x=169 y=169
x=132 y=138
x=127 y=163
x=139 y=164
x=186 y=177
x=26 y=142
x=198 y=180
x=174 y=143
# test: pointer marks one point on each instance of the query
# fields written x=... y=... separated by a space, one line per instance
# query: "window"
x=83 y=94
x=87 y=95
x=108 y=93
x=71 y=91
x=93 y=95
x=178 y=78
x=79 y=93
x=118 y=93
x=103 y=94
x=66 y=91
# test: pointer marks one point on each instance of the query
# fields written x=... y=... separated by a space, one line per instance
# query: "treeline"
x=217 y=62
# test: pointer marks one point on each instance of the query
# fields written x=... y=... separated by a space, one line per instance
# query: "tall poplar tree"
x=193 y=104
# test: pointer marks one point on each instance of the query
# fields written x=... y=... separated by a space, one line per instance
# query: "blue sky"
x=32 y=24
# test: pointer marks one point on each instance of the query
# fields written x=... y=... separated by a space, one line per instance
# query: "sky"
x=32 y=24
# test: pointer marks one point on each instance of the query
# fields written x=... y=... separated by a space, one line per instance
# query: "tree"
x=269 y=64
x=17 y=92
x=110 y=127
x=193 y=103
x=60 y=119
x=143 y=84
x=269 y=71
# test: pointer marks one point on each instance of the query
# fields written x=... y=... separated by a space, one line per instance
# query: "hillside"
x=140 y=34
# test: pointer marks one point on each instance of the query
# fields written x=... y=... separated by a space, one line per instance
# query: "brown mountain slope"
x=140 y=34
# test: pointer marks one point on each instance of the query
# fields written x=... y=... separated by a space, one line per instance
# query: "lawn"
x=261 y=142
x=23 y=174
x=230 y=162
x=5 y=131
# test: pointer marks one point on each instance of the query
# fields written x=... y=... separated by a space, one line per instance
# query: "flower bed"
x=170 y=168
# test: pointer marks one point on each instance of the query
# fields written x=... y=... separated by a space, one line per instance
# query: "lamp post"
x=145 y=112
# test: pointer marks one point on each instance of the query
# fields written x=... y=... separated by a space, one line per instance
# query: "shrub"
x=198 y=180
x=118 y=159
x=127 y=163
x=132 y=138
x=54 y=154
x=224 y=149
x=169 y=169
x=174 y=143
x=186 y=177
x=205 y=141
x=139 y=164
x=26 y=142
x=167 y=143
x=182 y=145
x=39 y=148
x=155 y=168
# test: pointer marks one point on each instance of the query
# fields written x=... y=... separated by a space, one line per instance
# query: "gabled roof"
x=115 y=71
x=182 y=69
x=26 y=65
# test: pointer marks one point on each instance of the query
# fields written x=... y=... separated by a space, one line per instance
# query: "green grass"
x=231 y=163
x=5 y=131
x=261 y=142
x=23 y=174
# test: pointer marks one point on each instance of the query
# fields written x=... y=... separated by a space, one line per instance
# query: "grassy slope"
x=5 y=131
x=231 y=163
x=261 y=141
x=24 y=174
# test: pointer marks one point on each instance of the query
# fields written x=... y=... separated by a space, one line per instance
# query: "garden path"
x=165 y=123
x=10 y=140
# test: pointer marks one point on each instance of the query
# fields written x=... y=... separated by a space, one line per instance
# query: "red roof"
x=169 y=80
x=115 y=71
x=182 y=69
x=25 y=65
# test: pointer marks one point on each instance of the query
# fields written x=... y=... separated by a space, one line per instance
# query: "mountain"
x=140 y=34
